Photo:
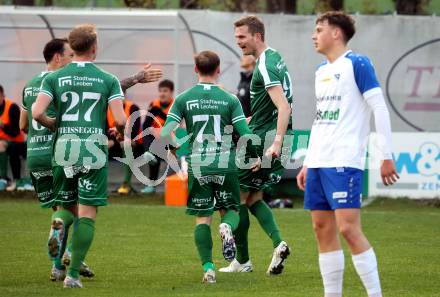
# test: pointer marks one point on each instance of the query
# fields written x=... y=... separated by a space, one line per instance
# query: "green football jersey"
x=39 y=138
x=270 y=70
x=210 y=113
x=81 y=92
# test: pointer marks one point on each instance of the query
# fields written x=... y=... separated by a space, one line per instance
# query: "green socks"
x=241 y=235
x=207 y=266
x=67 y=218
x=82 y=238
x=203 y=240
x=3 y=165
x=127 y=174
x=266 y=219
x=232 y=218
x=65 y=215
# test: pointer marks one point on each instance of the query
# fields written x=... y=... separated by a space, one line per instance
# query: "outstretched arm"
x=145 y=75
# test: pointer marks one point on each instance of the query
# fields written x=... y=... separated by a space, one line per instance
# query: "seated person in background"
x=115 y=147
x=12 y=141
x=159 y=109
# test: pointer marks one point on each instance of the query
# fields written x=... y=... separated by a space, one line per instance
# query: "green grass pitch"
x=145 y=249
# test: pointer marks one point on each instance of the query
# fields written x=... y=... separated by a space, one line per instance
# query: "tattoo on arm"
x=131 y=81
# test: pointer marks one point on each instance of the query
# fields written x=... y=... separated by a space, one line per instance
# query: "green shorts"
x=212 y=192
x=43 y=185
x=263 y=179
x=269 y=174
x=79 y=184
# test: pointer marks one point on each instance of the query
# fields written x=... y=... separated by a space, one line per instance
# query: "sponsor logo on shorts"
x=257 y=181
x=86 y=185
x=40 y=174
x=217 y=179
x=44 y=195
x=66 y=195
x=339 y=195
x=223 y=195
x=274 y=178
x=71 y=171
x=198 y=202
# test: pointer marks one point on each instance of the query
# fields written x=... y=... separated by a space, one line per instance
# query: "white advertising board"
x=417 y=159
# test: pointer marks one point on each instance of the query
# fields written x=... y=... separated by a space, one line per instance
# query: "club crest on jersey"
x=337 y=76
x=192 y=104
x=65 y=80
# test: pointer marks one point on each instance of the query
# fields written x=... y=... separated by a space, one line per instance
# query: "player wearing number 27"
x=81 y=93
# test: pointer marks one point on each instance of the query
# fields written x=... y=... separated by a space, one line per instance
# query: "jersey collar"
x=206 y=83
x=44 y=72
x=341 y=56
x=82 y=63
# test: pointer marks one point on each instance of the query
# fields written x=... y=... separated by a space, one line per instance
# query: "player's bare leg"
x=331 y=256
x=363 y=256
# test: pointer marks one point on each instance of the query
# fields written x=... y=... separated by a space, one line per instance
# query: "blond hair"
x=82 y=38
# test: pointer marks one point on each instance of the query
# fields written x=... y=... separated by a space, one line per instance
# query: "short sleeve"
x=176 y=111
x=236 y=111
x=269 y=72
x=47 y=87
x=365 y=76
x=115 y=90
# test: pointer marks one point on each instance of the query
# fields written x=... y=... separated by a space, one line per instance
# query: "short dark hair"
x=2 y=91
x=55 y=46
x=166 y=83
x=254 y=24
x=341 y=20
x=82 y=38
x=207 y=62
